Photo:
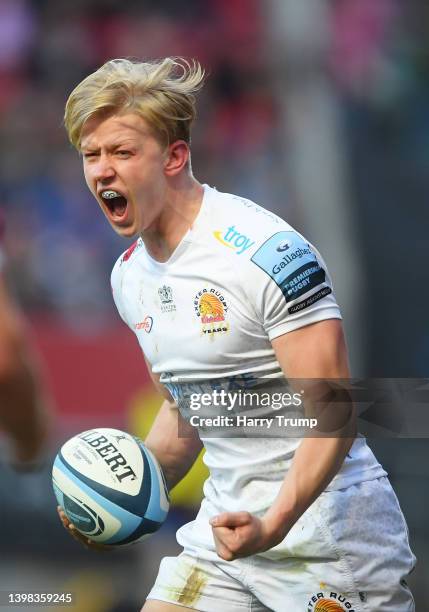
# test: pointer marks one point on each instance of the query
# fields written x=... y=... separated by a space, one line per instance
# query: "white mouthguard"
x=109 y=194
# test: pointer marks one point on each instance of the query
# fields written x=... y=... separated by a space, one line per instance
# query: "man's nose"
x=104 y=169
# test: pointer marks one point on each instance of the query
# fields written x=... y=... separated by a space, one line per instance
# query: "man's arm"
x=24 y=415
x=319 y=352
x=175 y=454
x=316 y=351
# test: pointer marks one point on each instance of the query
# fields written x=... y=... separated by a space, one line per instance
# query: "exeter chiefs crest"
x=328 y=605
x=211 y=308
x=332 y=602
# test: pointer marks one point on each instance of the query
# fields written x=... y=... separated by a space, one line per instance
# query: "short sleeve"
x=294 y=288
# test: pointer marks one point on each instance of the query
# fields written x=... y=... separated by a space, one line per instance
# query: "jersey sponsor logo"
x=146 y=324
x=284 y=245
x=234 y=240
x=211 y=308
x=289 y=258
x=334 y=602
x=291 y=263
x=165 y=294
x=310 y=300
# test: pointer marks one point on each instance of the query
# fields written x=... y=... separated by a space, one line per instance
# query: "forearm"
x=176 y=451
x=23 y=413
x=23 y=400
x=240 y=534
x=316 y=462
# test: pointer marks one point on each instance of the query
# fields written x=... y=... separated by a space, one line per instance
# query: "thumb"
x=230 y=519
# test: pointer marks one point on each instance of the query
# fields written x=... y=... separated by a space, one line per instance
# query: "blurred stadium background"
x=318 y=110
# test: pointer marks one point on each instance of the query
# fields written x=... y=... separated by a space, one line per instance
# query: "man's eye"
x=123 y=153
x=89 y=155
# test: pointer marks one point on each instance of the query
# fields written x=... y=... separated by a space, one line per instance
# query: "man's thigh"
x=188 y=581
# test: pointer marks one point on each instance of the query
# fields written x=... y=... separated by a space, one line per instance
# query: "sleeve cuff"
x=331 y=312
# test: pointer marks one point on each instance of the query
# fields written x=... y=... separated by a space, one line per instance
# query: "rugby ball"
x=110 y=486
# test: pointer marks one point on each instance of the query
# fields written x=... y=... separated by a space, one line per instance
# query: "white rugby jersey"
x=204 y=319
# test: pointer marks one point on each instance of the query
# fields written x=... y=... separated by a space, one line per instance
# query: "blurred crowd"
x=372 y=56
x=60 y=249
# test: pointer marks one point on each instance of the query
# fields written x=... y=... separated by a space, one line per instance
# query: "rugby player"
x=223 y=294
x=24 y=413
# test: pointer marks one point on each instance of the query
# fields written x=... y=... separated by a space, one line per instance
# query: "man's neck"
x=182 y=205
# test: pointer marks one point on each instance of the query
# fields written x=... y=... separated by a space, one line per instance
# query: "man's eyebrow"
x=127 y=142
x=88 y=146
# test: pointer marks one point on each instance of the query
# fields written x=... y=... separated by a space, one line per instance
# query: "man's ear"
x=177 y=156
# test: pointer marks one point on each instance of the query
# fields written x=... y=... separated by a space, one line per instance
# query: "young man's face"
x=124 y=169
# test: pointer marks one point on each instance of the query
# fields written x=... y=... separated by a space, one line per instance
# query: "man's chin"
x=125 y=231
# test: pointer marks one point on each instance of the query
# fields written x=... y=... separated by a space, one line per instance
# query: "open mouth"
x=115 y=202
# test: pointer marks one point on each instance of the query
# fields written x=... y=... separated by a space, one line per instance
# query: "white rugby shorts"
x=348 y=552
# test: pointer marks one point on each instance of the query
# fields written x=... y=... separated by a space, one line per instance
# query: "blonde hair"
x=161 y=92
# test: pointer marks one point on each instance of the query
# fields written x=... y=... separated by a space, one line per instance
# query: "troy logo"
x=234 y=240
